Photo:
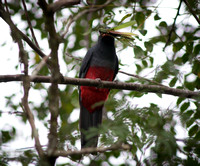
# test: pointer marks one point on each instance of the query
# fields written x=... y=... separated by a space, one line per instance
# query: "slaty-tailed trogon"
x=100 y=62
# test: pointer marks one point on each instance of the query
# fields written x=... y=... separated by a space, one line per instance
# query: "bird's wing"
x=86 y=63
x=116 y=68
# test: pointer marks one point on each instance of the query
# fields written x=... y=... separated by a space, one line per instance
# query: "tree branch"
x=107 y=84
x=80 y=14
x=5 y=16
x=53 y=92
x=191 y=11
x=29 y=23
x=92 y=150
x=142 y=78
x=40 y=65
x=173 y=26
x=26 y=86
x=58 y=5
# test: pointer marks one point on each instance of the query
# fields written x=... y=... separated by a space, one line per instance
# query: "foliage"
x=150 y=130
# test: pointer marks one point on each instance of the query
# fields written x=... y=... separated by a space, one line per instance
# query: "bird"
x=100 y=62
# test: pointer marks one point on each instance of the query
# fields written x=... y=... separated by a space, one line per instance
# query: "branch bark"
x=173 y=26
x=53 y=92
x=26 y=79
x=5 y=16
x=80 y=14
x=108 y=84
x=29 y=23
x=92 y=150
x=58 y=5
x=191 y=11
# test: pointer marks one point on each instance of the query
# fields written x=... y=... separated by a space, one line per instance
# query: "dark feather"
x=88 y=120
x=86 y=63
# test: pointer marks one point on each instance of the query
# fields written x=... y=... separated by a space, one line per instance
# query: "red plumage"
x=92 y=97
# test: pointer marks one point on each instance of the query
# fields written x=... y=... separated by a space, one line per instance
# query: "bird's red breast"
x=93 y=97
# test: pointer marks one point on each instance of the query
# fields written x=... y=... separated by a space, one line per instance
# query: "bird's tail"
x=88 y=120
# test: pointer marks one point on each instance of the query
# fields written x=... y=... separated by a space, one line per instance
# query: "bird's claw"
x=98 y=79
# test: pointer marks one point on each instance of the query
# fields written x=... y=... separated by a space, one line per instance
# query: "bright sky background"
x=9 y=59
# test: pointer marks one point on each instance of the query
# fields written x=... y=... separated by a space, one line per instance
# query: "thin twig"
x=92 y=150
x=71 y=56
x=191 y=11
x=80 y=14
x=6 y=5
x=13 y=112
x=29 y=23
x=173 y=25
x=142 y=78
x=40 y=65
x=26 y=86
x=60 y=4
x=108 y=84
x=5 y=16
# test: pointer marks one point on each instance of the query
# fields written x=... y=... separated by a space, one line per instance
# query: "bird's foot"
x=99 y=80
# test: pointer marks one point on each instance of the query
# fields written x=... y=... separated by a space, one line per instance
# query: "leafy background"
x=160 y=134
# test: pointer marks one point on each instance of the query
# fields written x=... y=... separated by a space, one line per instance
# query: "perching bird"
x=100 y=62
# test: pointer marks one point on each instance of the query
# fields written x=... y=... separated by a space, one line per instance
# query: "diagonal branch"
x=6 y=17
x=58 y=5
x=142 y=78
x=191 y=11
x=80 y=14
x=108 y=84
x=173 y=26
x=29 y=23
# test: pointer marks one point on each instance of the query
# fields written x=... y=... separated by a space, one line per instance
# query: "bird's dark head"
x=104 y=32
x=105 y=36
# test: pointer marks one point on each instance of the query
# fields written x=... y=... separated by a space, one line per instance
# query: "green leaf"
x=149 y=46
x=184 y=106
x=169 y=68
x=193 y=130
x=138 y=51
x=197 y=136
x=5 y=136
x=185 y=57
x=125 y=17
x=151 y=61
x=189 y=47
x=197 y=49
x=173 y=82
x=157 y=17
x=143 y=32
x=177 y=46
x=186 y=116
x=163 y=24
x=180 y=99
x=139 y=68
x=124 y=25
x=134 y=149
x=144 y=63
x=140 y=18
x=126 y=41
x=190 y=122
x=159 y=95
